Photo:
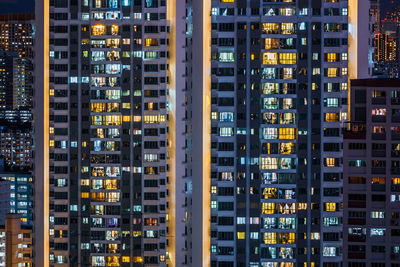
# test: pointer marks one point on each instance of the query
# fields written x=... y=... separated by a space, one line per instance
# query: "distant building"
x=16 y=147
x=385 y=47
x=15 y=243
x=18 y=186
x=371 y=175
x=16 y=81
x=16 y=34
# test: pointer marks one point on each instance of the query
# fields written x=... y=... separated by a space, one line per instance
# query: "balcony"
x=378 y=153
x=378 y=187
x=396 y=118
x=378 y=170
x=354 y=131
x=395 y=136
x=378 y=118
x=380 y=100
x=395 y=170
x=378 y=136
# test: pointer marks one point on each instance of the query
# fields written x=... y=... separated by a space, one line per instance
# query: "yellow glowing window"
x=268 y=208
x=395 y=181
x=331 y=57
x=51 y=92
x=137 y=118
x=85 y=53
x=214 y=115
x=331 y=117
x=112 y=261
x=136 y=233
x=332 y=72
x=98 y=30
x=126 y=118
x=287 y=238
x=379 y=180
x=241 y=235
x=269 y=238
x=270 y=58
x=114 y=29
x=227 y=1
x=51 y=143
x=151 y=42
x=270 y=28
x=98 y=107
x=162 y=258
x=137 y=259
x=126 y=105
x=84 y=195
x=287 y=58
x=330 y=162
x=330 y=206
x=85 y=182
x=287 y=133
x=51 y=130
x=84 y=144
x=301 y=206
x=344 y=71
x=270 y=193
x=271 y=43
x=287 y=28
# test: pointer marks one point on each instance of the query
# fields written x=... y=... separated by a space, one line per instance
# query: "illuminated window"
x=151 y=42
x=241 y=235
x=332 y=72
x=227 y=1
x=226 y=57
x=270 y=193
x=287 y=58
x=270 y=133
x=330 y=206
x=98 y=30
x=344 y=71
x=271 y=43
x=213 y=189
x=287 y=133
x=331 y=117
x=269 y=238
x=287 y=238
x=331 y=57
x=268 y=208
x=51 y=143
x=270 y=28
x=344 y=56
x=270 y=58
x=51 y=92
x=84 y=195
x=287 y=28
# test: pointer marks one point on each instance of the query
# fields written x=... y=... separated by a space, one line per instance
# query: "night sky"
x=27 y=6
x=17 y=6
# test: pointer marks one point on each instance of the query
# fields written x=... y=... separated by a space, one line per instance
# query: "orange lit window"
x=98 y=30
x=270 y=58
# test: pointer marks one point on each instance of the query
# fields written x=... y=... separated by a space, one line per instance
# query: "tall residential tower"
x=110 y=133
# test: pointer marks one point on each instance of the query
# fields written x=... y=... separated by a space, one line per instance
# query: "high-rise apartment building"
x=16 y=81
x=227 y=156
x=16 y=196
x=114 y=142
x=371 y=198
x=17 y=34
x=15 y=243
x=274 y=84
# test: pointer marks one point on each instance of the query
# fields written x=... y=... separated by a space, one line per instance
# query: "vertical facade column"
x=201 y=156
x=41 y=129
